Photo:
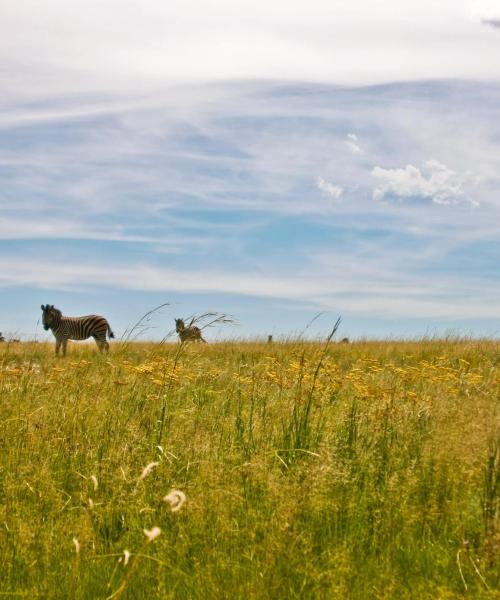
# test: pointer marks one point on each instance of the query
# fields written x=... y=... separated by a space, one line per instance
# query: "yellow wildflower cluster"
x=366 y=378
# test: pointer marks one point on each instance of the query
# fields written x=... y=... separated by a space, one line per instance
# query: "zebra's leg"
x=102 y=344
x=64 y=345
x=58 y=345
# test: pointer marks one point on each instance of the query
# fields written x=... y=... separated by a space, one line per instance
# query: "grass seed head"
x=147 y=470
x=176 y=499
x=152 y=534
x=77 y=545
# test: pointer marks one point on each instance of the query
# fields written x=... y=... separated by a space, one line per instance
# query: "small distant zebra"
x=188 y=334
x=75 y=328
x=2 y=339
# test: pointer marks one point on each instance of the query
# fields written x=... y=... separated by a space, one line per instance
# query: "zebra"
x=190 y=333
x=75 y=328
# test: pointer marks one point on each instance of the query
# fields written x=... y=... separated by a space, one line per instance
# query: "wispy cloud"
x=381 y=293
x=35 y=115
x=352 y=143
x=335 y=191
x=162 y=239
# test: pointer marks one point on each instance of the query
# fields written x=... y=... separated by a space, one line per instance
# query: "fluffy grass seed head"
x=77 y=545
x=176 y=499
x=93 y=478
x=147 y=470
x=152 y=534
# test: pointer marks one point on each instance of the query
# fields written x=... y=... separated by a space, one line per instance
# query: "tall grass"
x=365 y=470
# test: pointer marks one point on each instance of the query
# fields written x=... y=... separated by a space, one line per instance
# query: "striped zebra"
x=188 y=334
x=75 y=328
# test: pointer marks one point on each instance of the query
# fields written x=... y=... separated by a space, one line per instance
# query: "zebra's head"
x=179 y=325
x=50 y=316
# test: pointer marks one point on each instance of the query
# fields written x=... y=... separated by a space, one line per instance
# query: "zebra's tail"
x=110 y=333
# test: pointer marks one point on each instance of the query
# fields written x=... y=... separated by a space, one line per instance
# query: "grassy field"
x=363 y=470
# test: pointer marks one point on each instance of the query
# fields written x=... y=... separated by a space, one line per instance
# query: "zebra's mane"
x=50 y=308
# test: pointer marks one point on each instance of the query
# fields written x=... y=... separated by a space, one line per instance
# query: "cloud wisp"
x=352 y=143
x=381 y=293
x=335 y=191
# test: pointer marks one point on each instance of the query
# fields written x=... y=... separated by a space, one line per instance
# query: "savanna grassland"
x=363 y=470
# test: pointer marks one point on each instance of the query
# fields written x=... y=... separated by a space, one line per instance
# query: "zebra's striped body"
x=75 y=328
x=188 y=334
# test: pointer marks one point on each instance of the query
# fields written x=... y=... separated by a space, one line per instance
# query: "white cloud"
x=53 y=48
x=352 y=143
x=483 y=10
x=335 y=191
x=433 y=181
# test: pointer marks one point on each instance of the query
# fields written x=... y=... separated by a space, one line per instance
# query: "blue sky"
x=271 y=186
